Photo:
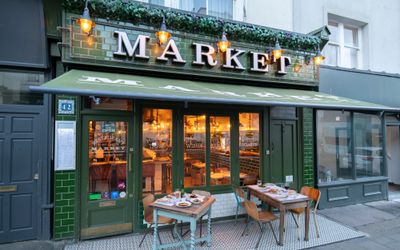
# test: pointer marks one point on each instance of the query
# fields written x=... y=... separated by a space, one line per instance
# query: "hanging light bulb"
x=85 y=21
x=163 y=35
x=277 y=52
x=318 y=58
x=223 y=44
x=297 y=65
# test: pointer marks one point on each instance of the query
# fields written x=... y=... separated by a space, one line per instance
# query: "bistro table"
x=283 y=204
x=190 y=214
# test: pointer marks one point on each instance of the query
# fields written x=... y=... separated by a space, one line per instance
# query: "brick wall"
x=308 y=137
x=64 y=204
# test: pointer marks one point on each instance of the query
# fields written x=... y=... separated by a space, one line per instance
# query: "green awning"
x=79 y=82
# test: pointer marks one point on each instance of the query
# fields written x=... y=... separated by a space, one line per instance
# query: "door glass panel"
x=249 y=148
x=107 y=159
x=368 y=145
x=334 y=146
x=195 y=150
x=220 y=150
x=157 y=151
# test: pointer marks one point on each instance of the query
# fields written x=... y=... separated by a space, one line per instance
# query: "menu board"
x=65 y=145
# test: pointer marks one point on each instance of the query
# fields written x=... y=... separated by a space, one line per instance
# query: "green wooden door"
x=284 y=162
x=106 y=175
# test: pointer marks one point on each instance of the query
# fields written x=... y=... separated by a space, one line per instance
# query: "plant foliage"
x=139 y=13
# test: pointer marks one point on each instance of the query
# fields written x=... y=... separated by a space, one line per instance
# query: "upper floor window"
x=344 y=47
x=218 y=8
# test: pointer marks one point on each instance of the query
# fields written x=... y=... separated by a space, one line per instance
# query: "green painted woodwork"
x=152 y=15
x=99 y=48
x=308 y=147
x=284 y=161
x=93 y=213
x=145 y=87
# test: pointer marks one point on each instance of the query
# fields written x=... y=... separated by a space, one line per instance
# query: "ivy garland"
x=138 y=13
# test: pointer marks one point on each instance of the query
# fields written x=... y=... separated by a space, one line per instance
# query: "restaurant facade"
x=136 y=115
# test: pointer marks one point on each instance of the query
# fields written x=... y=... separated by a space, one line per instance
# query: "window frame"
x=341 y=45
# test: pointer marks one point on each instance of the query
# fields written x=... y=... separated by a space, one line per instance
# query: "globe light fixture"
x=223 y=44
x=318 y=58
x=163 y=35
x=85 y=22
x=277 y=52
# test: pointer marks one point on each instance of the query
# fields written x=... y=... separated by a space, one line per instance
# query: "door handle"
x=130 y=159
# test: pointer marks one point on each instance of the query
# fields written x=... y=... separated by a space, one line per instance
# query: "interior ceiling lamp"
x=223 y=44
x=163 y=35
x=277 y=52
x=297 y=65
x=85 y=21
x=318 y=58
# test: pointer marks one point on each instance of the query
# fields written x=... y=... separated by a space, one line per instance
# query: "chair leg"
x=298 y=227
x=273 y=232
x=201 y=226
x=294 y=218
x=144 y=236
x=237 y=211
x=245 y=228
x=261 y=233
x=316 y=224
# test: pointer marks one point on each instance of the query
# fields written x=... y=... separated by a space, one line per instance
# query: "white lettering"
x=260 y=62
x=226 y=93
x=171 y=50
x=282 y=63
x=266 y=94
x=209 y=54
x=306 y=98
x=172 y=87
x=229 y=57
x=123 y=42
x=95 y=79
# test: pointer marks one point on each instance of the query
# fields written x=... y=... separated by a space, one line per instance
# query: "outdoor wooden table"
x=190 y=214
x=282 y=204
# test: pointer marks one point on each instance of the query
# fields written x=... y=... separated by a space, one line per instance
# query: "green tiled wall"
x=64 y=189
x=64 y=204
x=100 y=47
x=308 y=130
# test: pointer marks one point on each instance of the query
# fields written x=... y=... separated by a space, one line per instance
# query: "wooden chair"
x=148 y=217
x=149 y=171
x=239 y=195
x=315 y=195
x=261 y=217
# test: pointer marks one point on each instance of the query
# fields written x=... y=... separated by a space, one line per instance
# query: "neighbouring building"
x=123 y=113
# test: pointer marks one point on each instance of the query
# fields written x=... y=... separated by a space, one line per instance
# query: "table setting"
x=181 y=201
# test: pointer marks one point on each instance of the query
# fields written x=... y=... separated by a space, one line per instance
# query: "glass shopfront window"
x=334 y=146
x=220 y=150
x=368 y=148
x=249 y=148
x=195 y=150
x=14 y=88
x=157 y=151
x=107 y=159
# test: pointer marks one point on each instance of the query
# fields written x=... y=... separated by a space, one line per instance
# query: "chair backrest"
x=148 y=211
x=250 y=180
x=251 y=209
x=202 y=193
x=313 y=193
x=149 y=169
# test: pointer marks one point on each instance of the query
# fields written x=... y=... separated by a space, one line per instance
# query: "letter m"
x=125 y=47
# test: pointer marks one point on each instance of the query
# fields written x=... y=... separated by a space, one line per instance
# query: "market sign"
x=124 y=45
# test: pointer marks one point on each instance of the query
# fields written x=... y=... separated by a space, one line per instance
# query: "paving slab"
x=392 y=207
x=357 y=215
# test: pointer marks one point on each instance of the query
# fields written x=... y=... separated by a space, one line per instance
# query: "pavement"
x=379 y=220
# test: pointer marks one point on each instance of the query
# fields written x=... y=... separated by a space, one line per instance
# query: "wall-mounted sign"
x=66 y=107
x=123 y=45
x=65 y=145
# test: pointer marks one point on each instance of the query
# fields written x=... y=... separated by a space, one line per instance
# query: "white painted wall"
x=381 y=35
